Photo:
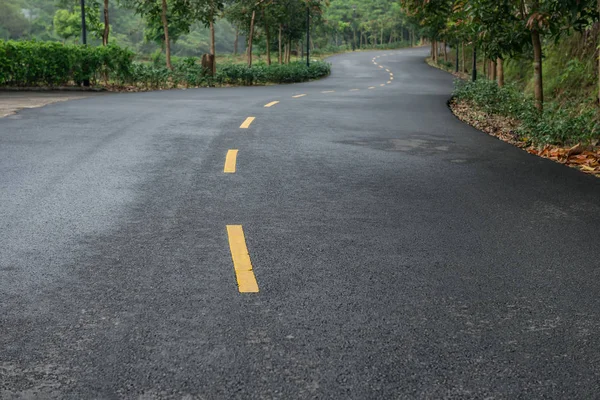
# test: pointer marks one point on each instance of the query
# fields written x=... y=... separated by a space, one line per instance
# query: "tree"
x=67 y=24
x=12 y=21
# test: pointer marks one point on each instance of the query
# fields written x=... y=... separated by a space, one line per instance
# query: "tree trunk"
x=474 y=68
x=445 y=51
x=485 y=69
x=212 y=46
x=250 y=36
x=267 y=38
x=289 y=51
x=236 y=41
x=280 y=44
x=494 y=69
x=166 y=29
x=537 y=69
x=107 y=24
x=500 y=64
x=464 y=58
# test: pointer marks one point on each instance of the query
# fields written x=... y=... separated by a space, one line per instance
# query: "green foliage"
x=12 y=22
x=67 y=24
x=555 y=125
x=54 y=64
x=261 y=74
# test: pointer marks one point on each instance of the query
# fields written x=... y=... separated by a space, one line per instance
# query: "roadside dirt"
x=11 y=102
x=585 y=158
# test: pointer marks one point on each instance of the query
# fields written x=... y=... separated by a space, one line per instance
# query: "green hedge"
x=562 y=125
x=55 y=64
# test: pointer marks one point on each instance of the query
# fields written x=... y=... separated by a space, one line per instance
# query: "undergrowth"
x=557 y=124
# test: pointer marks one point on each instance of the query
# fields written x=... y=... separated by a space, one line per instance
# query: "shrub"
x=55 y=64
x=33 y=63
x=555 y=125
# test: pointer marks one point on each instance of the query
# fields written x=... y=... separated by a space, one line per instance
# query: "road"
x=362 y=244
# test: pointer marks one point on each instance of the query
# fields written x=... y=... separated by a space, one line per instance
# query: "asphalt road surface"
x=361 y=244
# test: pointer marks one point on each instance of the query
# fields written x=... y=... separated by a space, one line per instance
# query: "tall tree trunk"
x=445 y=51
x=280 y=44
x=166 y=29
x=107 y=24
x=464 y=58
x=289 y=51
x=500 y=64
x=267 y=38
x=236 y=41
x=494 y=69
x=485 y=66
x=474 y=68
x=250 y=36
x=212 y=45
x=537 y=69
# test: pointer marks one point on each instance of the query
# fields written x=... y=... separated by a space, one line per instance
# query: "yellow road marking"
x=391 y=74
x=392 y=78
x=241 y=260
x=271 y=104
x=230 y=161
x=372 y=87
x=298 y=95
x=389 y=82
x=383 y=84
x=247 y=122
x=381 y=66
x=329 y=91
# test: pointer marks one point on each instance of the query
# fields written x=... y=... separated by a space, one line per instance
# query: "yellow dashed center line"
x=241 y=260
x=271 y=104
x=247 y=122
x=387 y=70
x=381 y=66
x=389 y=82
x=372 y=87
x=328 y=91
x=299 y=95
x=383 y=84
x=230 y=161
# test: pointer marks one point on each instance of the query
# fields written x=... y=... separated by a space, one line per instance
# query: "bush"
x=555 y=125
x=33 y=63
x=55 y=64
x=261 y=74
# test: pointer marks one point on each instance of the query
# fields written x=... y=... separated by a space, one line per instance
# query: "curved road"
x=397 y=252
